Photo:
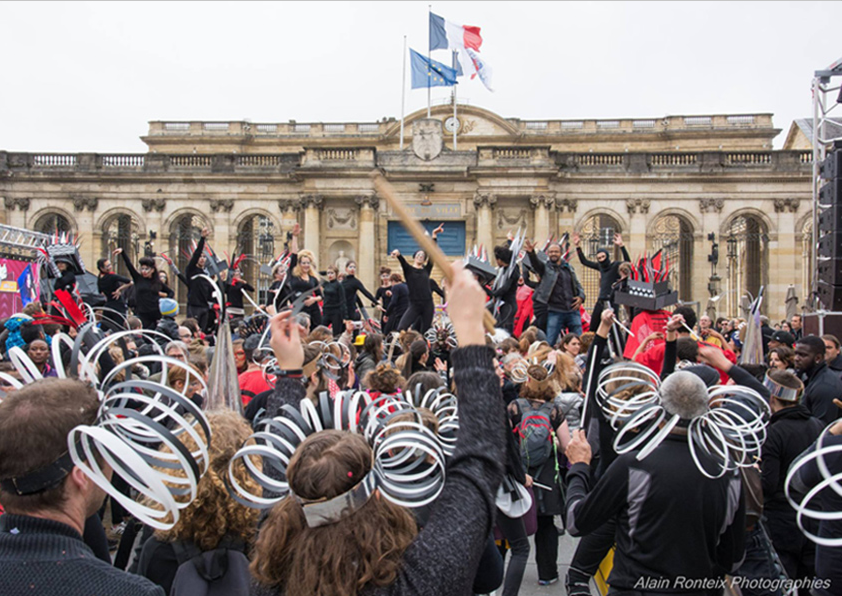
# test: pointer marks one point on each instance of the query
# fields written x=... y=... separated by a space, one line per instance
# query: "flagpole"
x=403 y=88
x=429 y=53
x=453 y=96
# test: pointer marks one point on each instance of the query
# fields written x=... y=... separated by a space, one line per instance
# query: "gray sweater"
x=443 y=558
x=44 y=557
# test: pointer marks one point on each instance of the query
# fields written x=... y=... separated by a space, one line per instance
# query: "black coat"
x=821 y=386
x=791 y=431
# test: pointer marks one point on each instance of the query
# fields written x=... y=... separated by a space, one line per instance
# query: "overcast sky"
x=80 y=76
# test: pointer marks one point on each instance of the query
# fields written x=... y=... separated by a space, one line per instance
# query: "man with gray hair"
x=676 y=528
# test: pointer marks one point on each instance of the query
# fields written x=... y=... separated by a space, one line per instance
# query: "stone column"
x=784 y=259
x=566 y=209
x=366 y=261
x=636 y=235
x=484 y=202
x=222 y=240
x=16 y=213
x=711 y=210
x=289 y=209
x=312 y=223
x=90 y=251
x=155 y=223
x=542 y=204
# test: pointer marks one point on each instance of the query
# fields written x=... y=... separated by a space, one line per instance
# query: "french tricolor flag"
x=444 y=35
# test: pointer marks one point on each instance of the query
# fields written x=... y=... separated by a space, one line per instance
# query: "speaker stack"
x=830 y=231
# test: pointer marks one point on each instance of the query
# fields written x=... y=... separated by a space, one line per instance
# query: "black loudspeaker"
x=822 y=324
x=830 y=295
x=829 y=245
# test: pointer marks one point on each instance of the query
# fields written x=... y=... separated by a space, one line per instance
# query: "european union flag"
x=429 y=73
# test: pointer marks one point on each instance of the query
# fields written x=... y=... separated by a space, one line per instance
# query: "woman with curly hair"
x=373 y=547
x=213 y=515
x=385 y=379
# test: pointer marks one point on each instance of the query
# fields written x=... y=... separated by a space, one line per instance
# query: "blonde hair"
x=301 y=255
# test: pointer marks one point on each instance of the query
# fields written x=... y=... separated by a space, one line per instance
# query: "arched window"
x=121 y=231
x=673 y=236
x=747 y=255
x=256 y=240
x=596 y=232
x=185 y=232
x=50 y=223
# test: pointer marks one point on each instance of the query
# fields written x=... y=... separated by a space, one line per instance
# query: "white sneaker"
x=118 y=529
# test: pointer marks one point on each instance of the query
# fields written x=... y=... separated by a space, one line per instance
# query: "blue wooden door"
x=451 y=240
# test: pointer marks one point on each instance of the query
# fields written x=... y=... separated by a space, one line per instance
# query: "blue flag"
x=25 y=286
x=429 y=73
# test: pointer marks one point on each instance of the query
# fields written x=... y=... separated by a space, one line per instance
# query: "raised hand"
x=578 y=450
x=577 y=240
x=286 y=341
x=296 y=229
x=396 y=253
x=466 y=307
x=618 y=240
x=438 y=230
x=528 y=246
x=205 y=232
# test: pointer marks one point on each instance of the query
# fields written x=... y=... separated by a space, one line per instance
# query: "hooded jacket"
x=609 y=270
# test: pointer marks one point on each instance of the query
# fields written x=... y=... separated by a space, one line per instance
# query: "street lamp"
x=713 y=259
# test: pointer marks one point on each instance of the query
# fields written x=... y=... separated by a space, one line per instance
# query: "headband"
x=782 y=393
x=41 y=479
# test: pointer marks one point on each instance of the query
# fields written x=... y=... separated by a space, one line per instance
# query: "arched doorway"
x=673 y=236
x=256 y=240
x=747 y=254
x=50 y=223
x=121 y=231
x=185 y=232
x=596 y=232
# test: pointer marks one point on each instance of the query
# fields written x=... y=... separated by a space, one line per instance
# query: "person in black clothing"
x=234 y=294
x=148 y=289
x=503 y=294
x=419 y=315
x=805 y=478
x=199 y=290
x=791 y=430
x=609 y=272
x=67 y=280
x=109 y=285
x=832 y=355
x=335 y=303
x=398 y=294
x=48 y=499
x=303 y=281
x=674 y=525
x=352 y=285
x=383 y=295
x=820 y=382
x=442 y=559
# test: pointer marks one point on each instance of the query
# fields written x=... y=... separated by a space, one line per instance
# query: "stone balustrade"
x=367 y=157
x=526 y=127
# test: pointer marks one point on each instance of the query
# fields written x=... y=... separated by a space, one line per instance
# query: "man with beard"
x=609 y=272
x=559 y=291
x=820 y=382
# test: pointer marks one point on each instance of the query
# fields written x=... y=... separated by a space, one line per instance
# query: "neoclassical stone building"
x=664 y=183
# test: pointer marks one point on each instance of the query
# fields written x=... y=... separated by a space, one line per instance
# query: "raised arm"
x=135 y=275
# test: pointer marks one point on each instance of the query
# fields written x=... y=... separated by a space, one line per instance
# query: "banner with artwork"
x=18 y=286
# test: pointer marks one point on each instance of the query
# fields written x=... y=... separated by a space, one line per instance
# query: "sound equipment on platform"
x=829 y=249
x=822 y=323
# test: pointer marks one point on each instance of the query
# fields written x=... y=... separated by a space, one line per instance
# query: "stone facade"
x=664 y=183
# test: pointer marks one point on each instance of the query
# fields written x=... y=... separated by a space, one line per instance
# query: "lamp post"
x=713 y=259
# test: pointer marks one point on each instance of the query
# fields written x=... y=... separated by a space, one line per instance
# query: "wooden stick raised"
x=385 y=190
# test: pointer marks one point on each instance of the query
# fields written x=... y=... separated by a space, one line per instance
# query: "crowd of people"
x=566 y=424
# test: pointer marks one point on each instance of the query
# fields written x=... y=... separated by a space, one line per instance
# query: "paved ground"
x=530 y=587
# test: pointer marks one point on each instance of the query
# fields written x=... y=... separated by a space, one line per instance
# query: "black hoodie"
x=609 y=271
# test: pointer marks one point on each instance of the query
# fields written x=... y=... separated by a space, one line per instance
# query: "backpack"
x=535 y=432
x=223 y=571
